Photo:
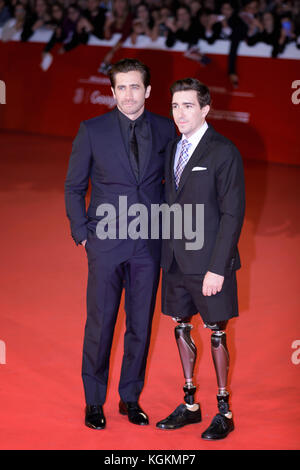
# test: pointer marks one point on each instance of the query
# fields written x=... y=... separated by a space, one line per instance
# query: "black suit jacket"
x=99 y=155
x=220 y=187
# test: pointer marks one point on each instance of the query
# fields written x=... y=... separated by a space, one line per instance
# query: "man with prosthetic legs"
x=202 y=167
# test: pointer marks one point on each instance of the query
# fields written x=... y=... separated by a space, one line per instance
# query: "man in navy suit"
x=203 y=169
x=122 y=154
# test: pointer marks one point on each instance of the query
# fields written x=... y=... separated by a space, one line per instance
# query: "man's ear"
x=148 y=90
x=205 y=110
x=113 y=92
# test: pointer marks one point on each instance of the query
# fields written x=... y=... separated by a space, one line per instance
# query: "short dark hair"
x=129 y=65
x=202 y=90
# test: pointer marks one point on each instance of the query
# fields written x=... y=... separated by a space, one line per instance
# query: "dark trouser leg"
x=104 y=291
x=141 y=283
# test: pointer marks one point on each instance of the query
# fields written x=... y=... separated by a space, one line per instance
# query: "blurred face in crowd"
x=40 y=7
x=130 y=93
x=165 y=13
x=120 y=7
x=268 y=21
x=92 y=5
x=204 y=19
x=20 y=12
x=57 y=12
x=142 y=13
x=252 y=7
x=73 y=14
x=195 y=7
x=187 y=114
x=209 y=4
x=183 y=17
x=226 y=10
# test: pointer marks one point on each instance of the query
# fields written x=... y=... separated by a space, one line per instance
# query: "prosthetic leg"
x=222 y=423
x=188 y=353
x=189 y=412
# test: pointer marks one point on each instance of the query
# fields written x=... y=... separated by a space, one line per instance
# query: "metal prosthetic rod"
x=188 y=353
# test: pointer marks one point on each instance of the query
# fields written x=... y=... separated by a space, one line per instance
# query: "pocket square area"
x=199 y=168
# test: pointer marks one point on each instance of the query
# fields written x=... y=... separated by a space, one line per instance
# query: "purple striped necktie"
x=182 y=161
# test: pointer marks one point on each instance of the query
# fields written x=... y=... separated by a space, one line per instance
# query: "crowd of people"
x=273 y=22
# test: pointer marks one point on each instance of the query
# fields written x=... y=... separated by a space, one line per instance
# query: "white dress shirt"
x=193 y=140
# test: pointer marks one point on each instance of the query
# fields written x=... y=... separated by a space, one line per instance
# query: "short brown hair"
x=129 y=65
x=202 y=90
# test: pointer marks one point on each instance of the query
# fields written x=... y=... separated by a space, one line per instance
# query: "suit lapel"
x=170 y=167
x=198 y=153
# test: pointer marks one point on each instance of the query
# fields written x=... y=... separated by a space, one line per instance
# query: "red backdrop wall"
x=261 y=116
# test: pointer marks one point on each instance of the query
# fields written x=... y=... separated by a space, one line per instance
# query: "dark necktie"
x=133 y=144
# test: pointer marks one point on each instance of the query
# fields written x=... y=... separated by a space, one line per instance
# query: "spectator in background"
x=227 y=19
x=160 y=16
x=185 y=29
x=143 y=24
x=4 y=12
x=287 y=33
x=117 y=21
x=210 y=26
x=65 y=31
x=182 y=28
x=92 y=21
x=195 y=7
x=14 y=25
x=40 y=18
x=239 y=30
x=269 y=34
x=296 y=15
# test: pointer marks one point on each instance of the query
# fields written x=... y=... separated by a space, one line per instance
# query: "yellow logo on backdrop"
x=2 y=92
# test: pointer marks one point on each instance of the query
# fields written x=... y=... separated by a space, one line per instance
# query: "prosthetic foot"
x=188 y=413
x=222 y=423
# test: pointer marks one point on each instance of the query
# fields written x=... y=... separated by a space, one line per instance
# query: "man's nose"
x=128 y=93
x=180 y=113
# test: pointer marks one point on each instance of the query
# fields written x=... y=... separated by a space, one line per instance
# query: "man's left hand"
x=212 y=283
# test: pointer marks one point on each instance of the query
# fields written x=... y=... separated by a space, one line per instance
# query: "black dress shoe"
x=94 y=417
x=222 y=423
x=134 y=412
x=179 y=418
x=219 y=428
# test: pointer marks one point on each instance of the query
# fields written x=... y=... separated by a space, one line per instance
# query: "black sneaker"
x=179 y=418
x=219 y=428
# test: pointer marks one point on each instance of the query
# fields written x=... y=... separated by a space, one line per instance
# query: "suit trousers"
x=139 y=275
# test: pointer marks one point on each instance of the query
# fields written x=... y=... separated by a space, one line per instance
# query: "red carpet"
x=42 y=283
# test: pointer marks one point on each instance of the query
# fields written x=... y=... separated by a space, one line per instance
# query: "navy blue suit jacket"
x=99 y=155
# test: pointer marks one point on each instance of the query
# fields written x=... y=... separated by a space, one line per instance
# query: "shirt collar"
x=126 y=121
x=195 y=138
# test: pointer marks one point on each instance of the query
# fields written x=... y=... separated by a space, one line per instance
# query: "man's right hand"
x=83 y=242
